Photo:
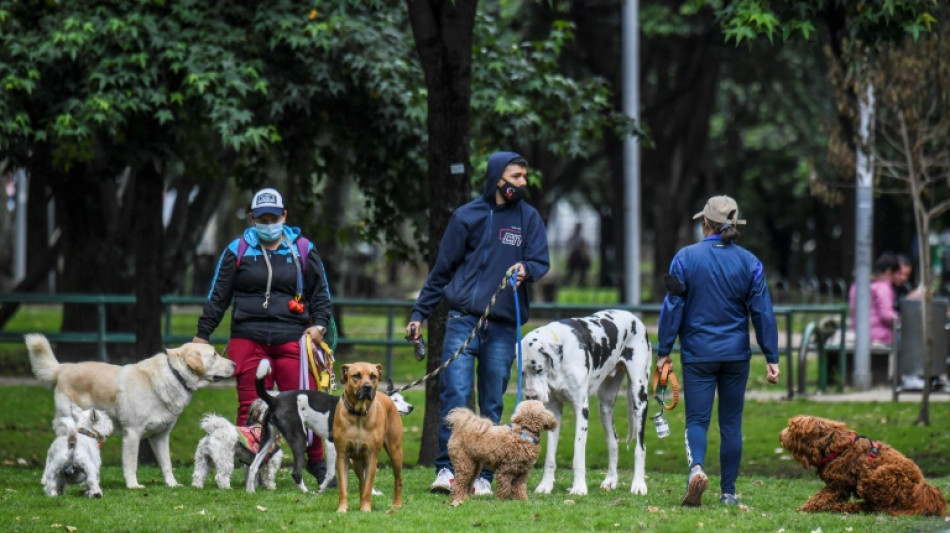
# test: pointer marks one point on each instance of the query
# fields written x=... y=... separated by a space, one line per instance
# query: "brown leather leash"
x=660 y=381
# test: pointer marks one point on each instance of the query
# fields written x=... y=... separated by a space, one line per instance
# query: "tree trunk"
x=443 y=34
x=148 y=248
x=677 y=114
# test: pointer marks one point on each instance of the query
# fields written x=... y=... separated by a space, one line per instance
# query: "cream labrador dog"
x=144 y=399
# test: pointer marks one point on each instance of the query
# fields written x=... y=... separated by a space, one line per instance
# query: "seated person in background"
x=882 y=300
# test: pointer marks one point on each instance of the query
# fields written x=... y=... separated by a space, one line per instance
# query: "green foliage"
x=871 y=23
x=521 y=92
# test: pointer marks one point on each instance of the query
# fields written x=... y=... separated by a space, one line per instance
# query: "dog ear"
x=379 y=368
x=346 y=369
x=194 y=362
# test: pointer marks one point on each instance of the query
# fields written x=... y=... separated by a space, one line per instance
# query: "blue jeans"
x=494 y=348
x=701 y=381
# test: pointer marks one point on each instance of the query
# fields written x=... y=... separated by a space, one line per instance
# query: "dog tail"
x=929 y=500
x=42 y=360
x=211 y=423
x=463 y=419
x=263 y=370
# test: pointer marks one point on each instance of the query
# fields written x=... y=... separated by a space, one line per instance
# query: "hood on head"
x=496 y=167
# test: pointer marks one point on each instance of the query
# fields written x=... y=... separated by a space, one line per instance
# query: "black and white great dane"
x=570 y=359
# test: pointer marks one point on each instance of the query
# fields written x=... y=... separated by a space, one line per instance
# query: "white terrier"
x=224 y=442
x=74 y=458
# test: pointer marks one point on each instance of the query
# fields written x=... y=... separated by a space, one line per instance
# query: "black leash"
x=481 y=320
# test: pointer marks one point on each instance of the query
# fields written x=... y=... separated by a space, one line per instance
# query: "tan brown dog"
x=365 y=423
x=144 y=399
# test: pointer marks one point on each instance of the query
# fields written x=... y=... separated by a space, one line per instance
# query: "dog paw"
x=608 y=485
x=172 y=483
x=578 y=490
x=456 y=503
x=544 y=487
x=638 y=488
x=94 y=494
x=135 y=486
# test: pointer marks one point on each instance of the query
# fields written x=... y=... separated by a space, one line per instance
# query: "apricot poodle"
x=855 y=465
x=510 y=450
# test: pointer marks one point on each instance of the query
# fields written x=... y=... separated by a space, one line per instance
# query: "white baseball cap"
x=267 y=201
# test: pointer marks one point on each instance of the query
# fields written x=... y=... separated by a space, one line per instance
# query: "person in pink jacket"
x=882 y=299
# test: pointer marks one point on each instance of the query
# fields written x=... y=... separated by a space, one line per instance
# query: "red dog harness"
x=854 y=437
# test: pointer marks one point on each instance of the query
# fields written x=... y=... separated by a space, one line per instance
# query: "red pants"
x=285 y=364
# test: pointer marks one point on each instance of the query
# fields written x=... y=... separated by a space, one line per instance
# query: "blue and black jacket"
x=482 y=240
x=714 y=289
x=246 y=284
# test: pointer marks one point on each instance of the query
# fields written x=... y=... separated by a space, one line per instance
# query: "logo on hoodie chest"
x=510 y=236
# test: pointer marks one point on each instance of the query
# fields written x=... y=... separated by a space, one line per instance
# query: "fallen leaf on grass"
x=261 y=508
x=779 y=450
x=781 y=530
x=744 y=508
x=70 y=529
x=653 y=509
x=201 y=512
x=568 y=502
x=21 y=461
x=179 y=507
x=11 y=490
x=816 y=530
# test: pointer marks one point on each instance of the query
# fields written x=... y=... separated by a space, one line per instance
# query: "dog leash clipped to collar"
x=178 y=375
x=660 y=381
x=872 y=454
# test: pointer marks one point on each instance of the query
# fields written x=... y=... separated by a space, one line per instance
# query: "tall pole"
x=19 y=246
x=631 y=152
x=864 y=215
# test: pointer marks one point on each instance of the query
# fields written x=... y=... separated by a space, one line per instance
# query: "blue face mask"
x=269 y=232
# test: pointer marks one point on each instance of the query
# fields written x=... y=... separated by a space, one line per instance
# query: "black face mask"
x=511 y=193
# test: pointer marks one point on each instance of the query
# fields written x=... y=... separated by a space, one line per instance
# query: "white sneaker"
x=482 y=487
x=443 y=482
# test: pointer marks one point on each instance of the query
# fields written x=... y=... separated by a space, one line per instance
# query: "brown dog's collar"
x=854 y=437
x=526 y=435
x=352 y=411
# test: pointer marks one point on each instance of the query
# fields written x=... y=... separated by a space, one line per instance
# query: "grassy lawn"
x=770 y=483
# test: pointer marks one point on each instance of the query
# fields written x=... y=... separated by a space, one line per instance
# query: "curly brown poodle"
x=510 y=451
x=855 y=465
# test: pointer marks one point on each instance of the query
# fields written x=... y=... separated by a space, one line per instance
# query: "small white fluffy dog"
x=74 y=458
x=224 y=442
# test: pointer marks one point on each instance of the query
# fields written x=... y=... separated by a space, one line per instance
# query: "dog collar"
x=92 y=434
x=526 y=436
x=854 y=437
x=178 y=375
x=352 y=411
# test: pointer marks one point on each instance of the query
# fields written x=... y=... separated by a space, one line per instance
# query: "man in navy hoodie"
x=487 y=237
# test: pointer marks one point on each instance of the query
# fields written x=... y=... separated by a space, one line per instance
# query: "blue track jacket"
x=481 y=242
x=723 y=286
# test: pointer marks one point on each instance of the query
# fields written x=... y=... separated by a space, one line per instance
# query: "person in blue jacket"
x=713 y=288
x=496 y=233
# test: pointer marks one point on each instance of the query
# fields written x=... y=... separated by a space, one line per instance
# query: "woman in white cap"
x=278 y=285
x=714 y=287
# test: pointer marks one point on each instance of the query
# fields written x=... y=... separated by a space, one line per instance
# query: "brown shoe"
x=695 y=488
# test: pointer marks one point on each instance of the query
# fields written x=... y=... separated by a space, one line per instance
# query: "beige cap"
x=720 y=209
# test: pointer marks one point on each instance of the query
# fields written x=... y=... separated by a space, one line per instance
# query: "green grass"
x=770 y=483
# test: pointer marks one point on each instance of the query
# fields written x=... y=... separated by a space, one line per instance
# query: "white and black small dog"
x=74 y=458
x=224 y=442
x=292 y=413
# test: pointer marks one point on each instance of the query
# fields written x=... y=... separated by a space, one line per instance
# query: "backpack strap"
x=303 y=246
x=242 y=248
